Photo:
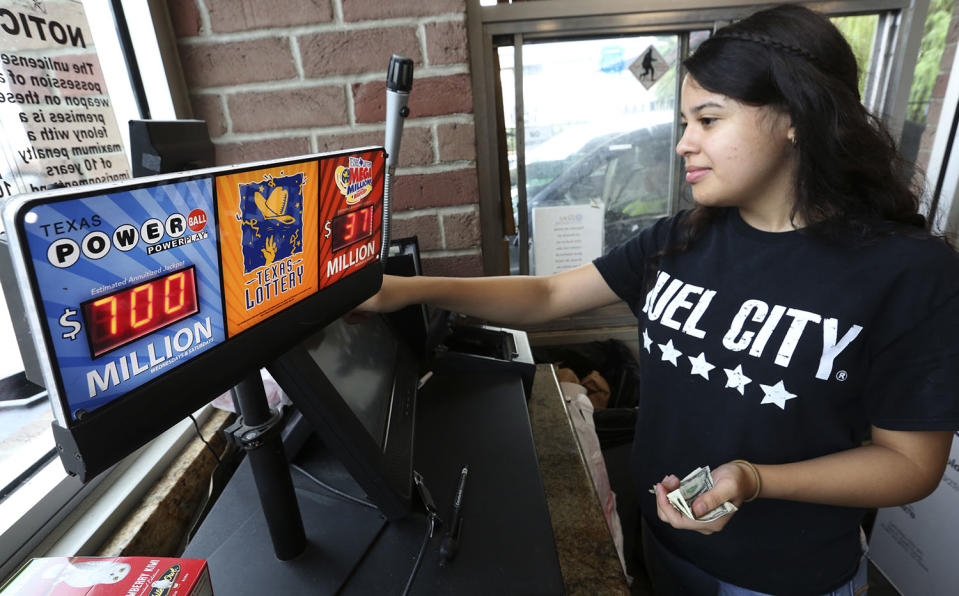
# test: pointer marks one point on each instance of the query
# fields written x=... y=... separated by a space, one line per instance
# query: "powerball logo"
x=356 y=180
x=65 y=252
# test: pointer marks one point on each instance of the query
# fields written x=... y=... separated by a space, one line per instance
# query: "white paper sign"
x=56 y=114
x=915 y=545
x=566 y=237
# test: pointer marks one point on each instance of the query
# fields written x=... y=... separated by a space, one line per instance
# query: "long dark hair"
x=851 y=180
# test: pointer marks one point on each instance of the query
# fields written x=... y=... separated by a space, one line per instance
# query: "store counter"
x=585 y=548
x=532 y=523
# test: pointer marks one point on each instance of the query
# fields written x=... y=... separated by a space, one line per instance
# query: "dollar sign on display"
x=73 y=326
x=329 y=228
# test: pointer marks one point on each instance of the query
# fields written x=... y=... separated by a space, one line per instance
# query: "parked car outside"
x=627 y=173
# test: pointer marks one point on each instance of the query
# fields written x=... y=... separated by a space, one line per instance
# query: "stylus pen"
x=423 y=380
x=452 y=537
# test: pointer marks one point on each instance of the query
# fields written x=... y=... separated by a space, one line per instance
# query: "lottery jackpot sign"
x=126 y=288
x=351 y=214
x=125 y=283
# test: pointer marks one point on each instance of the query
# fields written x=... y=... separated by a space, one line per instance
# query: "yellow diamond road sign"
x=649 y=67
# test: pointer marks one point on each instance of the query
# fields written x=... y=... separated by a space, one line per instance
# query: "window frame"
x=942 y=174
x=57 y=515
x=49 y=502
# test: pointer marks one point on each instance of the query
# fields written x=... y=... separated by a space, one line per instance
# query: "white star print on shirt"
x=776 y=394
x=736 y=379
x=647 y=341
x=669 y=352
x=700 y=366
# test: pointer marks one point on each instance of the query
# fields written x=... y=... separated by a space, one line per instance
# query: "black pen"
x=451 y=539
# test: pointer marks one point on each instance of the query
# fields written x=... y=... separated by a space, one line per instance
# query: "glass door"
x=589 y=138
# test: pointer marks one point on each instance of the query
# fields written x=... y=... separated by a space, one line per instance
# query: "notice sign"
x=57 y=118
x=915 y=545
x=566 y=237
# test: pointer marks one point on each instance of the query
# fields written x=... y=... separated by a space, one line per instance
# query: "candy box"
x=110 y=576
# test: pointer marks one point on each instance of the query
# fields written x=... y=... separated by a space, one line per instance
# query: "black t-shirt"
x=776 y=348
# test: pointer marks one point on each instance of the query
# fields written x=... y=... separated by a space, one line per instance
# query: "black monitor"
x=412 y=321
x=164 y=146
x=356 y=384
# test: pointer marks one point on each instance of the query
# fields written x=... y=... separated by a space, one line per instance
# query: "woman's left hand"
x=730 y=483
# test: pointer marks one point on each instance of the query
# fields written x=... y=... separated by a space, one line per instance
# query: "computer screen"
x=356 y=385
x=162 y=146
x=412 y=321
x=359 y=360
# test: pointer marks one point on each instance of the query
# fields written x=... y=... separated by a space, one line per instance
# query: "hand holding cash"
x=694 y=484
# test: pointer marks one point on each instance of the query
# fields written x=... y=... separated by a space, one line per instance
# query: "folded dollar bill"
x=694 y=484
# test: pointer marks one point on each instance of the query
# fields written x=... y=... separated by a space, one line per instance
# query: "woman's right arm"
x=508 y=300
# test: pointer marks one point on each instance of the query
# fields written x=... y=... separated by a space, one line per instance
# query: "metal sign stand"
x=257 y=430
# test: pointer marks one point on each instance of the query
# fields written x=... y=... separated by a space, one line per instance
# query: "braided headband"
x=769 y=42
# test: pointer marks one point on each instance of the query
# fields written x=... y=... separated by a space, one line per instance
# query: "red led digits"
x=352 y=227
x=146 y=304
x=106 y=313
x=349 y=230
x=168 y=292
x=131 y=313
x=366 y=223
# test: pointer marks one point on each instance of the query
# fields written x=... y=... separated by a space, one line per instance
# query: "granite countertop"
x=587 y=556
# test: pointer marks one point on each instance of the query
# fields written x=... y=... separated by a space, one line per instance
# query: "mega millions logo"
x=355 y=181
x=271 y=217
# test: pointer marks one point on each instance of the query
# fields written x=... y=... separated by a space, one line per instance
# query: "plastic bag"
x=581 y=414
x=275 y=395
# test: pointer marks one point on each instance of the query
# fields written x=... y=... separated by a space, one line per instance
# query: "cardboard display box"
x=110 y=576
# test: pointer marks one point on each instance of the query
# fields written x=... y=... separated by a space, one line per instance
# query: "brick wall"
x=288 y=77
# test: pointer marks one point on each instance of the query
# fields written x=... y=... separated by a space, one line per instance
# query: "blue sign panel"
x=129 y=284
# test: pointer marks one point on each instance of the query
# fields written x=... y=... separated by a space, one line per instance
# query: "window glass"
x=25 y=433
x=928 y=84
x=65 y=100
x=860 y=32
x=56 y=113
x=599 y=116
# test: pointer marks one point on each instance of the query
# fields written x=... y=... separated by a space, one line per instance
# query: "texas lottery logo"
x=356 y=180
x=271 y=217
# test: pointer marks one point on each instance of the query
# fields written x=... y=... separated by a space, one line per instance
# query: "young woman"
x=799 y=327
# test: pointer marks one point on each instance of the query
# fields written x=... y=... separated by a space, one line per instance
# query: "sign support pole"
x=258 y=432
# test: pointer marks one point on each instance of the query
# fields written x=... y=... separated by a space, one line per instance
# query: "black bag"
x=610 y=358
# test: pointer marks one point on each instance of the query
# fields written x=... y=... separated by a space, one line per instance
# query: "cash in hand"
x=694 y=484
